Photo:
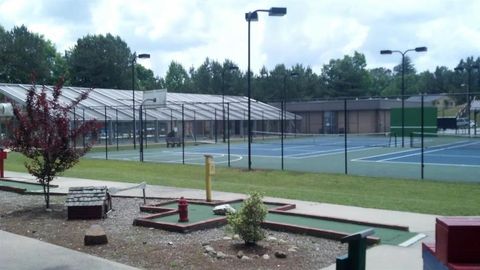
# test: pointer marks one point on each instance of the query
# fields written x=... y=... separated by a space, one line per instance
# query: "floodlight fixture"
x=421 y=49
x=134 y=61
x=277 y=11
x=249 y=17
x=144 y=56
x=417 y=49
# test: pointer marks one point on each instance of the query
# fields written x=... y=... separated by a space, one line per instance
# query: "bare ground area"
x=149 y=248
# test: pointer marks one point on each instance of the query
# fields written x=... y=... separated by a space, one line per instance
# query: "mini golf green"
x=202 y=213
x=20 y=186
x=387 y=236
x=198 y=212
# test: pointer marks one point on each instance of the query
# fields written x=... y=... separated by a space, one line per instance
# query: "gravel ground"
x=157 y=249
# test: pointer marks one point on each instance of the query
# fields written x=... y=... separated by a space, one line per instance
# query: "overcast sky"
x=312 y=32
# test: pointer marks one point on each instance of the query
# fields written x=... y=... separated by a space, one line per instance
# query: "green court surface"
x=21 y=185
x=199 y=213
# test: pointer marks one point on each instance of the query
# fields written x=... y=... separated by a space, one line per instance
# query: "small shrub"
x=246 y=222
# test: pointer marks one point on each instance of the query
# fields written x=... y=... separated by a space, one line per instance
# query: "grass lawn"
x=422 y=196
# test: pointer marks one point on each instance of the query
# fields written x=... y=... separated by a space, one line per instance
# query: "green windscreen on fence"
x=412 y=120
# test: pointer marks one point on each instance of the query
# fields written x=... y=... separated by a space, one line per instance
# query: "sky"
x=311 y=33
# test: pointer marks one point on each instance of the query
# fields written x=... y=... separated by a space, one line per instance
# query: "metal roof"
x=118 y=104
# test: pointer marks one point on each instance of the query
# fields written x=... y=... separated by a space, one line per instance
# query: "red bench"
x=456 y=247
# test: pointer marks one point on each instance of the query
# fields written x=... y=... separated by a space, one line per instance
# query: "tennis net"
x=438 y=140
x=385 y=139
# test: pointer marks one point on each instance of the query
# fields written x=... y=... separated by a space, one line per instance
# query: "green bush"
x=246 y=222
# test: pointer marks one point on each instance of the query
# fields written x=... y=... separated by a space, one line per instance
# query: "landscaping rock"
x=95 y=235
x=280 y=254
x=266 y=257
x=245 y=258
x=223 y=209
x=210 y=250
x=236 y=237
x=271 y=239
x=221 y=255
x=240 y=254
x=292 y=249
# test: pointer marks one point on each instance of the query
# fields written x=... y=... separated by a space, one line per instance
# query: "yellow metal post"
x=209 y=171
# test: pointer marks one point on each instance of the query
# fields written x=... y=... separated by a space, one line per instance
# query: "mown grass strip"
x=433 y=197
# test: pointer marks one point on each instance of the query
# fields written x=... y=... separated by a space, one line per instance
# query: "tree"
x=201 y=78
x=44 y=134
x=347 y=76
x=145 y=79
x=177 y=79
x=24 y=54
x=381 y=79
x=409 y=67
x=100 y=61
x=247 y=221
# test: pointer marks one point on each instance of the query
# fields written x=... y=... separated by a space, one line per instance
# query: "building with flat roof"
x=328 y=116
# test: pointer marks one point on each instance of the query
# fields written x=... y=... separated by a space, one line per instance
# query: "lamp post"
x=284 y=109
x=141 y=125
x=418 y=49
x=134 y=61
x=229 y=68
x=469 y=69
x=249 y=17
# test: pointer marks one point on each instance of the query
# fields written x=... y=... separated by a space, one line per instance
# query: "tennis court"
x=438 y=150
x=377 y=154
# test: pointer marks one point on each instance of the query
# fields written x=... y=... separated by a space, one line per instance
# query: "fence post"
x=83 y=123
x=345 y=132
x=215 y=125
x=116 y=126
x=74 y=127
x=106 y=134
x=422 y=130
x=183 y=134
x=228 y=132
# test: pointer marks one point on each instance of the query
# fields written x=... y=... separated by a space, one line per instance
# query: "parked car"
x=464 y=123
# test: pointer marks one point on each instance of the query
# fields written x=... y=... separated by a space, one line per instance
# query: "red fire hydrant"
x=3 y=156
x=183 y=210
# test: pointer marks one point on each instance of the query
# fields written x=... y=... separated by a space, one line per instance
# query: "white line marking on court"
x=417 y=163
x=339 y=151
x=426 y=152
x=413 y=240
x=381 y=155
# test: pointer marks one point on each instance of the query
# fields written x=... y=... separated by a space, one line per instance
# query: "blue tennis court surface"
x=461 y=153
x=378 y=155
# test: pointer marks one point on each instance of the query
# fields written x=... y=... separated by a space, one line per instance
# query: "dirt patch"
x=157 y=249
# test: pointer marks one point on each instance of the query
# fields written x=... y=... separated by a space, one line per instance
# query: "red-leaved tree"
x=43 y=132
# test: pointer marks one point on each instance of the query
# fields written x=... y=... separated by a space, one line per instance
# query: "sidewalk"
x=22 y=253
x=379 y=257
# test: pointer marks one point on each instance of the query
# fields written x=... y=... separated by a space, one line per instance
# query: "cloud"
x=312 y=32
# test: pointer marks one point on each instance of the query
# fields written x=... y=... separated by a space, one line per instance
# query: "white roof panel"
x=119 y=104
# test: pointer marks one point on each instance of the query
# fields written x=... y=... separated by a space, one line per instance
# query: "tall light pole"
x=253 y=16
x=469 y=69
x=418 y=49
x=134 y=61
x=284 y=109
x=228 y=68
x=141 y=125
